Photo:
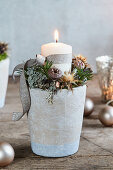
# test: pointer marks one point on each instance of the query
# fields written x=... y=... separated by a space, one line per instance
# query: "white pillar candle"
x=59 y=48
x=55 y=48
x=59 y=53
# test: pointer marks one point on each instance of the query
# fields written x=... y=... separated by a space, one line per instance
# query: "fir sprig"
x=83 y=75
x=44 y=68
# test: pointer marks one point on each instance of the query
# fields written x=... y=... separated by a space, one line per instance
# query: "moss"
x=3 y=56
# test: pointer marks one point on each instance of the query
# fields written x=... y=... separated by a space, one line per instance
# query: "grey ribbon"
x=60 y=58
x=24 y=89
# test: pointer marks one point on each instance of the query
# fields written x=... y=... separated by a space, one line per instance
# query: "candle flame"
x=56 y=36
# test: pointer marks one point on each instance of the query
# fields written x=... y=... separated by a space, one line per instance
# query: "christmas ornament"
x=106 y=116
x=110 y=103
x=89 y=107
x=6 y=154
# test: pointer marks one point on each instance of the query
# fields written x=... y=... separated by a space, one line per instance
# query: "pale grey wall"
x=85 y=24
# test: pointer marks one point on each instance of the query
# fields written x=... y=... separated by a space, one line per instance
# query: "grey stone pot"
x=55 y=128
x=4 y=71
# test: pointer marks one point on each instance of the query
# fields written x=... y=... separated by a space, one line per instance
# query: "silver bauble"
x=106 y=116
x=89 y=107
x=6 y=154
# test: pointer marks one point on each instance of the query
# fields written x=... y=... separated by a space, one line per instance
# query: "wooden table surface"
x=96 y=144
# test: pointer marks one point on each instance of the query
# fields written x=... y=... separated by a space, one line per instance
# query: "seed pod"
x=54 y=73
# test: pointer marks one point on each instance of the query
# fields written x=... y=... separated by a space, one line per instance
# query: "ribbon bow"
x=24 y=89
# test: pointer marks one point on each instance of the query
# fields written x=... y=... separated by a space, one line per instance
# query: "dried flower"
x=79 y=62
x=3 y=47
x=68 y=77
x=83 y=59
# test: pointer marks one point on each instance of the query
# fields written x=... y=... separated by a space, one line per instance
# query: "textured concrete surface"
x=27 y=24
x=96 y=143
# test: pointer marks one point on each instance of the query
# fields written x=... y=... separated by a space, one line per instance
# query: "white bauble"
x=6 y=154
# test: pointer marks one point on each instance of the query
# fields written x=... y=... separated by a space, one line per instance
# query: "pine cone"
x=3 y=47
x=54 y=73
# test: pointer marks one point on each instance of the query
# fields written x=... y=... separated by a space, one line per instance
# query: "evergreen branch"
x=83 y=74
